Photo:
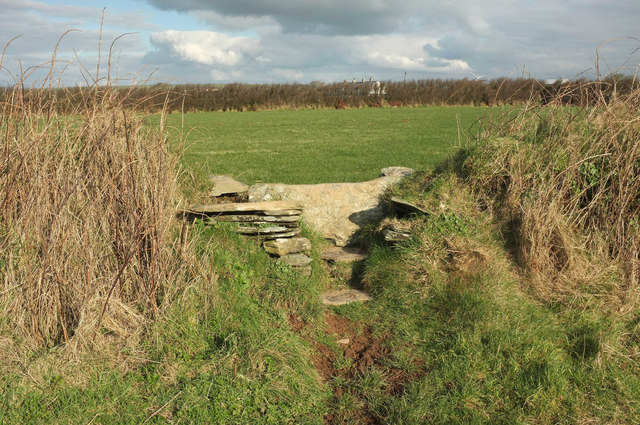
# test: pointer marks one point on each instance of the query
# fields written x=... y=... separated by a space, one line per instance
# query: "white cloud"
x=205 y=47
x=494 y=37
x=292 y=75
x=332 y=40
x=218 y=75
x=402 y=52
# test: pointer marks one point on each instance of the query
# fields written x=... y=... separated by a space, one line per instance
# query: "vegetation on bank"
x=525 y=275
x=515 y=300
x=86 y=220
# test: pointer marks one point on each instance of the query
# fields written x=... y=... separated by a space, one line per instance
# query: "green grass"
x=461 y=323
x=482 y=350
x=320 y=146
x=224 y=353
x=491 y=352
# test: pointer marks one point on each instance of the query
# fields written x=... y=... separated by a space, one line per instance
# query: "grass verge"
x=474 y=340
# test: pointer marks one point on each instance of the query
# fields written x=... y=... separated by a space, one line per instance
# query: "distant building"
x=364 y=88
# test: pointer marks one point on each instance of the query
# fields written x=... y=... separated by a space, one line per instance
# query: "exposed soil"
x=397 y=379
x=296 y=323
x=323 y=360
x=363 y=351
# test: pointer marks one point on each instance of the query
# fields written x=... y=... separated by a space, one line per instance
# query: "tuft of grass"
x=485 y=348
x=565 y=182
x=86 y=216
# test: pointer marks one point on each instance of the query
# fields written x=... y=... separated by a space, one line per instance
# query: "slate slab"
x=225 y=185
x=250 y=230
x=284 y=246
x=259 y=232
x=404 y=207
x=281 y=219
x=342 y=254
x=292 y=234
x=344 y=296
x=272 y=208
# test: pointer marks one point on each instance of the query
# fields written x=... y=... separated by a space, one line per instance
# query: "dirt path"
x=344 y=354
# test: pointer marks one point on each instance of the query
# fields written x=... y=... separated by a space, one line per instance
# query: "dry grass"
x=87 y=206
x=566 y=181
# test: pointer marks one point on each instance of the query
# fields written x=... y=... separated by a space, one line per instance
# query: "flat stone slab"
x=295 y=260
x=336 y=210
x=403 y=206
x=250 y=230
x=282 y=246
x=267 y=233
x=279 y=219
x=344 y=254
x=291 y=234
x=344 y=296
x=225 y=185
x=271 y=208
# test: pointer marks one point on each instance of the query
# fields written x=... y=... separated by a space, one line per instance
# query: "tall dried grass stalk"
x=567 y=182
x=87 y=206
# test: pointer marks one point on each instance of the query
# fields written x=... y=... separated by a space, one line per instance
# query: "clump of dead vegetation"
x=87 y=206
x=565 y=181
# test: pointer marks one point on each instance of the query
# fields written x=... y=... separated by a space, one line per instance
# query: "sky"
x=279 y=41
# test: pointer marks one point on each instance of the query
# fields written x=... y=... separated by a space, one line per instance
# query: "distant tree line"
x=253 y=97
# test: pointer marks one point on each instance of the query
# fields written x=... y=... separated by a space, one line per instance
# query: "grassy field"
x=316 y=146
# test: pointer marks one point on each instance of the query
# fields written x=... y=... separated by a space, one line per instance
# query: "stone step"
x=344 y=254
x=265 y=233
x=251 y=230
x=404 y=207
x=268 y=208
x=281 y=219
x=344 y=296
x=281 y=246
x=225 y=186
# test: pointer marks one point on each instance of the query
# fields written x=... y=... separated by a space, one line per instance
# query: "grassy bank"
x=483 y=343
x=222 y=352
